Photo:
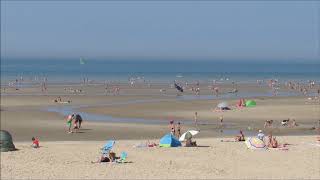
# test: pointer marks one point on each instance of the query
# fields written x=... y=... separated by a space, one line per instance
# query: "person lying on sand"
x=59 y=100
x=240 y=137
x=103 y=158
x=110 y=157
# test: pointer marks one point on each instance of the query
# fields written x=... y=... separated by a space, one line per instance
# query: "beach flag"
x=82 y=61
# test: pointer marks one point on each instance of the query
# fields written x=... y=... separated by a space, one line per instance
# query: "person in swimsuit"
x=172 y=128
x=35 y=143
x=69 y=123
x=179 y=129
x=221 y=120
x=240 y=137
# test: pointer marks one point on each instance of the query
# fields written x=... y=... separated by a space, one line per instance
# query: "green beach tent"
x=6 y=143
x=250 y=103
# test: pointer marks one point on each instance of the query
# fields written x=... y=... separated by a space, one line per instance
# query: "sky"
x=211 y=30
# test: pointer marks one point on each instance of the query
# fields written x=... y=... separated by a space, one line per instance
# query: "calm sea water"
x=155 y=71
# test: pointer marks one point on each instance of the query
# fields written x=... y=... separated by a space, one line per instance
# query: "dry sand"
x=63 y=160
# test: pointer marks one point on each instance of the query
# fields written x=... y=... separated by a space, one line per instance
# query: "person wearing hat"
x=260 y=135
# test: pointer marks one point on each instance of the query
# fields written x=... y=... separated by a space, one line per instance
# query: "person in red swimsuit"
x=35 y=143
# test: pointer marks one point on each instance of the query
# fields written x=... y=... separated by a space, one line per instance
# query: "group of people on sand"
x=271 y=142
x=115 y=90
x=285 y=122
x=241 y=103
x=304 y=88
x=77 y=121
x=59 y=100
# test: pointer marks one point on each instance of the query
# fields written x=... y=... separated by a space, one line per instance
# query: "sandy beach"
x=213 y=160
x=143 y=115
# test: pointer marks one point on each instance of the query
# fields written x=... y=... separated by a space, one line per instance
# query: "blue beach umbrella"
x=108 y=146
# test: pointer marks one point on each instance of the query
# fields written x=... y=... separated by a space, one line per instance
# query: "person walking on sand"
x=69 y=123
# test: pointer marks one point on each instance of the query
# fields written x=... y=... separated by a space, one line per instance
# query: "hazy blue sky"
x=161 y=30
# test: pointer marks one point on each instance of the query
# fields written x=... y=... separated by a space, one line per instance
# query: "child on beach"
x=35 y=142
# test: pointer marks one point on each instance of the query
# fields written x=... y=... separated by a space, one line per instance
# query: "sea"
x=155 y=71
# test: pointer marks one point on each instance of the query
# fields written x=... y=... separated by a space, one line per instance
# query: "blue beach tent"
x=169 y=140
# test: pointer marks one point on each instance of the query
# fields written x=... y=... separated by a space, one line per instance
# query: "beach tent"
x=222 y=105
x=187 y=135
x=6 y=143
x=255 y=143
x=169 y=140
x=250 y=103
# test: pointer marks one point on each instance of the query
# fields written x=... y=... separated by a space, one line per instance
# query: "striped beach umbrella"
x=255 y=143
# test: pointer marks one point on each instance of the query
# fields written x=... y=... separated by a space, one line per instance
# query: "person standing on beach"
x=221 y=120
x=172 y=128
x=196 y=119
x=69 y=123
x=179 y=129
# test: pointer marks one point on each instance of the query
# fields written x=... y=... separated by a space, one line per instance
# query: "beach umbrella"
x=255 y=143
x=179 y=88
x=188 y=135
x=222 y=105
x=250 y=103
x=108 y=146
